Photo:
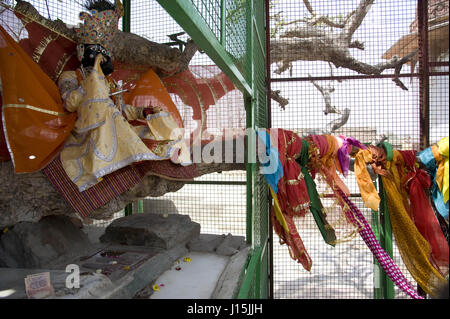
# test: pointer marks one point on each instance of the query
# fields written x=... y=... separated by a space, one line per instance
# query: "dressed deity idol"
x=103 y=140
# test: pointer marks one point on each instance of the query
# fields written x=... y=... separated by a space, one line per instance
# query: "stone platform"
x=131 y=255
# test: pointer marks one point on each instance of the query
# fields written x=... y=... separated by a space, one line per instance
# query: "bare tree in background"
x=320 y=37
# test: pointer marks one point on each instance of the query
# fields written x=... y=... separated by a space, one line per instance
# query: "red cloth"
x=292 y=195
x=416 y=181
x=112 y=185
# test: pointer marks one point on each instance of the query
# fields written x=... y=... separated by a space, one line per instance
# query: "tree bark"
x=127 y=48
x=29 y=197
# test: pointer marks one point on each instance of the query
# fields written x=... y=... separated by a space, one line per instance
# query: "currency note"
x=39 y=286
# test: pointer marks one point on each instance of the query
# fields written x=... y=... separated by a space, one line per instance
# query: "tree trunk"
x=29 y=197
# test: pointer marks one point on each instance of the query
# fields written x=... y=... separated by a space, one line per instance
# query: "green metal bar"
x=250 y=170
x=258 y=37
x=140 y=206
x=190 y=20
x=223 y=24
x=126 y=22
x=378 y=276
x=249 y=275
x=250 y=108
x=387 y=239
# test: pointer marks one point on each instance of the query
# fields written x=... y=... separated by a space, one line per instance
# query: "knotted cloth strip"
x=367 y=189
x=322 y=163
x=427 y=158
x=416 y=181
x=272 y=169
x=414 y=249
x=442 y=178
x=292 y=195
x=315 y=206
x=344 y=151
x=382 y=257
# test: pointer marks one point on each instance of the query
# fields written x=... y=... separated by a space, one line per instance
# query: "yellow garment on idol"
x=102 y=140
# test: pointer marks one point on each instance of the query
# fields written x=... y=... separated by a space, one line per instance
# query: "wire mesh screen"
x=65 y=10
x=218 y=208
x=348 y=88
x=217 y=201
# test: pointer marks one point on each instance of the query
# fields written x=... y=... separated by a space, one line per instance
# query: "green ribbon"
x=389 y=151
x=316 y=206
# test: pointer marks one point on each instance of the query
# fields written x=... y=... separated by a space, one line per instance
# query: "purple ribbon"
x=344 y=151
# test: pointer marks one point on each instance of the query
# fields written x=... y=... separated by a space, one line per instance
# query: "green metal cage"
x=232 y=33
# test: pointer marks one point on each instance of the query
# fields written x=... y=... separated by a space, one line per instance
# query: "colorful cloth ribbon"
x=427 y=158
x=416 y=181
x=315 y=207
x=328 y=147
x=367 y=189
x=382 y=257
x=272 y=169
x=344 y=151
x=442 y=178
x=413 y=247
x=292 y=196
x=322 y=157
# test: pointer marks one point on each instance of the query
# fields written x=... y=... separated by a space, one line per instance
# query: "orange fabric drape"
x=323 y=158
x=34 y=120
x=149 y=91
x=368 y=191
x=328 y=147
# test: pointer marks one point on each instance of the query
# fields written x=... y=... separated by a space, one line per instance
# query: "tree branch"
x=355 y=20
x=275 y=95
x=326 y=94
x=186 y=56
x=309 y=7
x=307 y=31
x=329 y=108
x=316 y=19
x=338 y=123
x=126 y=47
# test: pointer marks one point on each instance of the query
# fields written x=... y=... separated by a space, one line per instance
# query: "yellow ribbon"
x=442 y=173
x=368 y=191
x=396 y=167
x=277 y=210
